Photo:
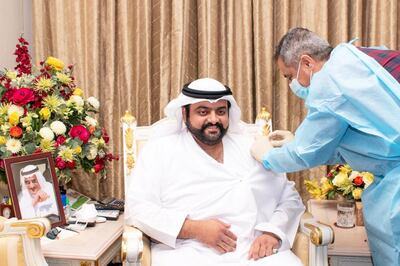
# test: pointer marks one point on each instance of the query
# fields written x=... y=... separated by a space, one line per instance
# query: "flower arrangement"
x=42 y=110
x=340 y=181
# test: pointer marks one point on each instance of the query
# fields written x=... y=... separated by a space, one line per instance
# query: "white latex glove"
x=280 y=137
x=260 y=147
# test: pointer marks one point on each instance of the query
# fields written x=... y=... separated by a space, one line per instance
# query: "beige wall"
x=15 y=19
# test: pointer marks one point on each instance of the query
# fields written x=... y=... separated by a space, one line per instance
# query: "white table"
x=93 y=246
x=351 y=245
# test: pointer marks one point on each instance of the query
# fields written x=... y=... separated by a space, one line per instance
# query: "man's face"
x=32 y=184
x=306 y=67
x=208 y=122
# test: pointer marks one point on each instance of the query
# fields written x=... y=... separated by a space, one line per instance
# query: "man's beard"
x=201 y=135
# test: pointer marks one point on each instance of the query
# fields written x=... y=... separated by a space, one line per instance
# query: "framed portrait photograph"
x=33 y=187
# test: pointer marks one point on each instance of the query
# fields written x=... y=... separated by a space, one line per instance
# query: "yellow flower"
x=4 y=108
x=53 y=103
x=3 y=140
x=314 y=189
x=13 y=119
x=26 y=121
x=77 y=150
x=368 y=178
x=11 y=75
x=78 y=92
x=326 y=187
x=345 y=169
x=56 y=63
x=44 y=84
x=341 y=180
x=47 y=145
x=63 y=78
x=67 y=154
x=357 y=192
x=45 y=113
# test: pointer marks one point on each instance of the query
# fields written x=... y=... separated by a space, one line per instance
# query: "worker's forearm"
x=189 y=229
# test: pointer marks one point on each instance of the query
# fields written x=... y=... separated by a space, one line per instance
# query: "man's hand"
x=213 y=233
x=260 y=147
x=40 y=197
x=263 y=245
x=280 y=137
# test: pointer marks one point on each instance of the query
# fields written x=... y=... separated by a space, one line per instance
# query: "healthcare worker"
x=353 y=99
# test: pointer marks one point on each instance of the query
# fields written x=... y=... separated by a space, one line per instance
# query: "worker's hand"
x=263 y=245
x=260 y=147
x=280 y=137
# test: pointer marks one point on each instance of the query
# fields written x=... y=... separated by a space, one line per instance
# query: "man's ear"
x=308 y=61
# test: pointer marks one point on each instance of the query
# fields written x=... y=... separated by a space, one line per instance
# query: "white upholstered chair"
x=312 y=239
x=20 y=241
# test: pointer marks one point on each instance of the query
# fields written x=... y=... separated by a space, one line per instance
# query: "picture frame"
x=34 y=188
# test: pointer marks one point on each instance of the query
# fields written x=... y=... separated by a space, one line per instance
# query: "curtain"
x=136 y=55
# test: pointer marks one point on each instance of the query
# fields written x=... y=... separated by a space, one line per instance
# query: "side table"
x=350 y=247
x=96 y=245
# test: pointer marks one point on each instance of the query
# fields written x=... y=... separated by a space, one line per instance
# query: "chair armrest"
x=34 y=228
x=135 y=249
x=320 y=234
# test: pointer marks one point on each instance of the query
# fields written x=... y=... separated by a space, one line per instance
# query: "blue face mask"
x=297 y=88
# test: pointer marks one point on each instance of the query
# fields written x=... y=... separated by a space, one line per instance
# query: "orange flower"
x=15 y=132
x=92 y=129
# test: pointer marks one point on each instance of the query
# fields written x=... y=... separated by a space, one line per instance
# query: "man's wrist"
x=188 y=230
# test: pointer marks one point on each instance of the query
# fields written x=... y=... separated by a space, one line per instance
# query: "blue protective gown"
x=354 y=117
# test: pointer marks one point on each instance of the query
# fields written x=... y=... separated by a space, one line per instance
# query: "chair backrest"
x=20 y=241
x=134 y=137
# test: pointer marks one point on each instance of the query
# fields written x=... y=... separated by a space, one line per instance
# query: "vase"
x=359 y=213
x=345 y=214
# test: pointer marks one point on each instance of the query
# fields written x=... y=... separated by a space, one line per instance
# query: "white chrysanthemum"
x=46 y=133
x=13 y=145
x=58 y=127
x=77 y=100
x=93 y=102
x=92 y=152
x=91 y=121
x=15 y=109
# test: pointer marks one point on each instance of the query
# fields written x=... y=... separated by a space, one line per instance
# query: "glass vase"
x=345 y=214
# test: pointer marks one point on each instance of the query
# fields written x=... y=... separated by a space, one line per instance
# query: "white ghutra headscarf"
x=205 y=89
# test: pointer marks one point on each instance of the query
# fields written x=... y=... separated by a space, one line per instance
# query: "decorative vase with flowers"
x=43 y=110
x=345 y=185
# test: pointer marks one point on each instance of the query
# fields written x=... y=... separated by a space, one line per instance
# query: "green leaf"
x=30 y=148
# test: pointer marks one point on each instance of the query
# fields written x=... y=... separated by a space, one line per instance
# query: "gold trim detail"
x=85 y=263
x=123 y=249
x=128 y=118
x=129 y=138
x=315 y=234
x=33 y=229
x=266 y=116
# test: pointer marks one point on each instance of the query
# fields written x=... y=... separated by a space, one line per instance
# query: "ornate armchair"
x=312 y=239
x=20 y=241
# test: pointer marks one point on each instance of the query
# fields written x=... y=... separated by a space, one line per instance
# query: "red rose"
x=60 y=164
x=80 y=132
x=15 y=132
x=98 y=167
x=71 y=165
x=23 y=96
x=104 y=135
x=358 y=181
x=60 y=141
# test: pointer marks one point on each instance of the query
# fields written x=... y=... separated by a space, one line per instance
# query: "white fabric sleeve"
x=285 y=220
x=144 y=204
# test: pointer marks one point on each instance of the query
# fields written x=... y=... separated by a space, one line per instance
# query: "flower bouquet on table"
x=42 y=110
x=343 y=183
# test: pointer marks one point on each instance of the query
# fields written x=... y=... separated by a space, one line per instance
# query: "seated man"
x=199 y=194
